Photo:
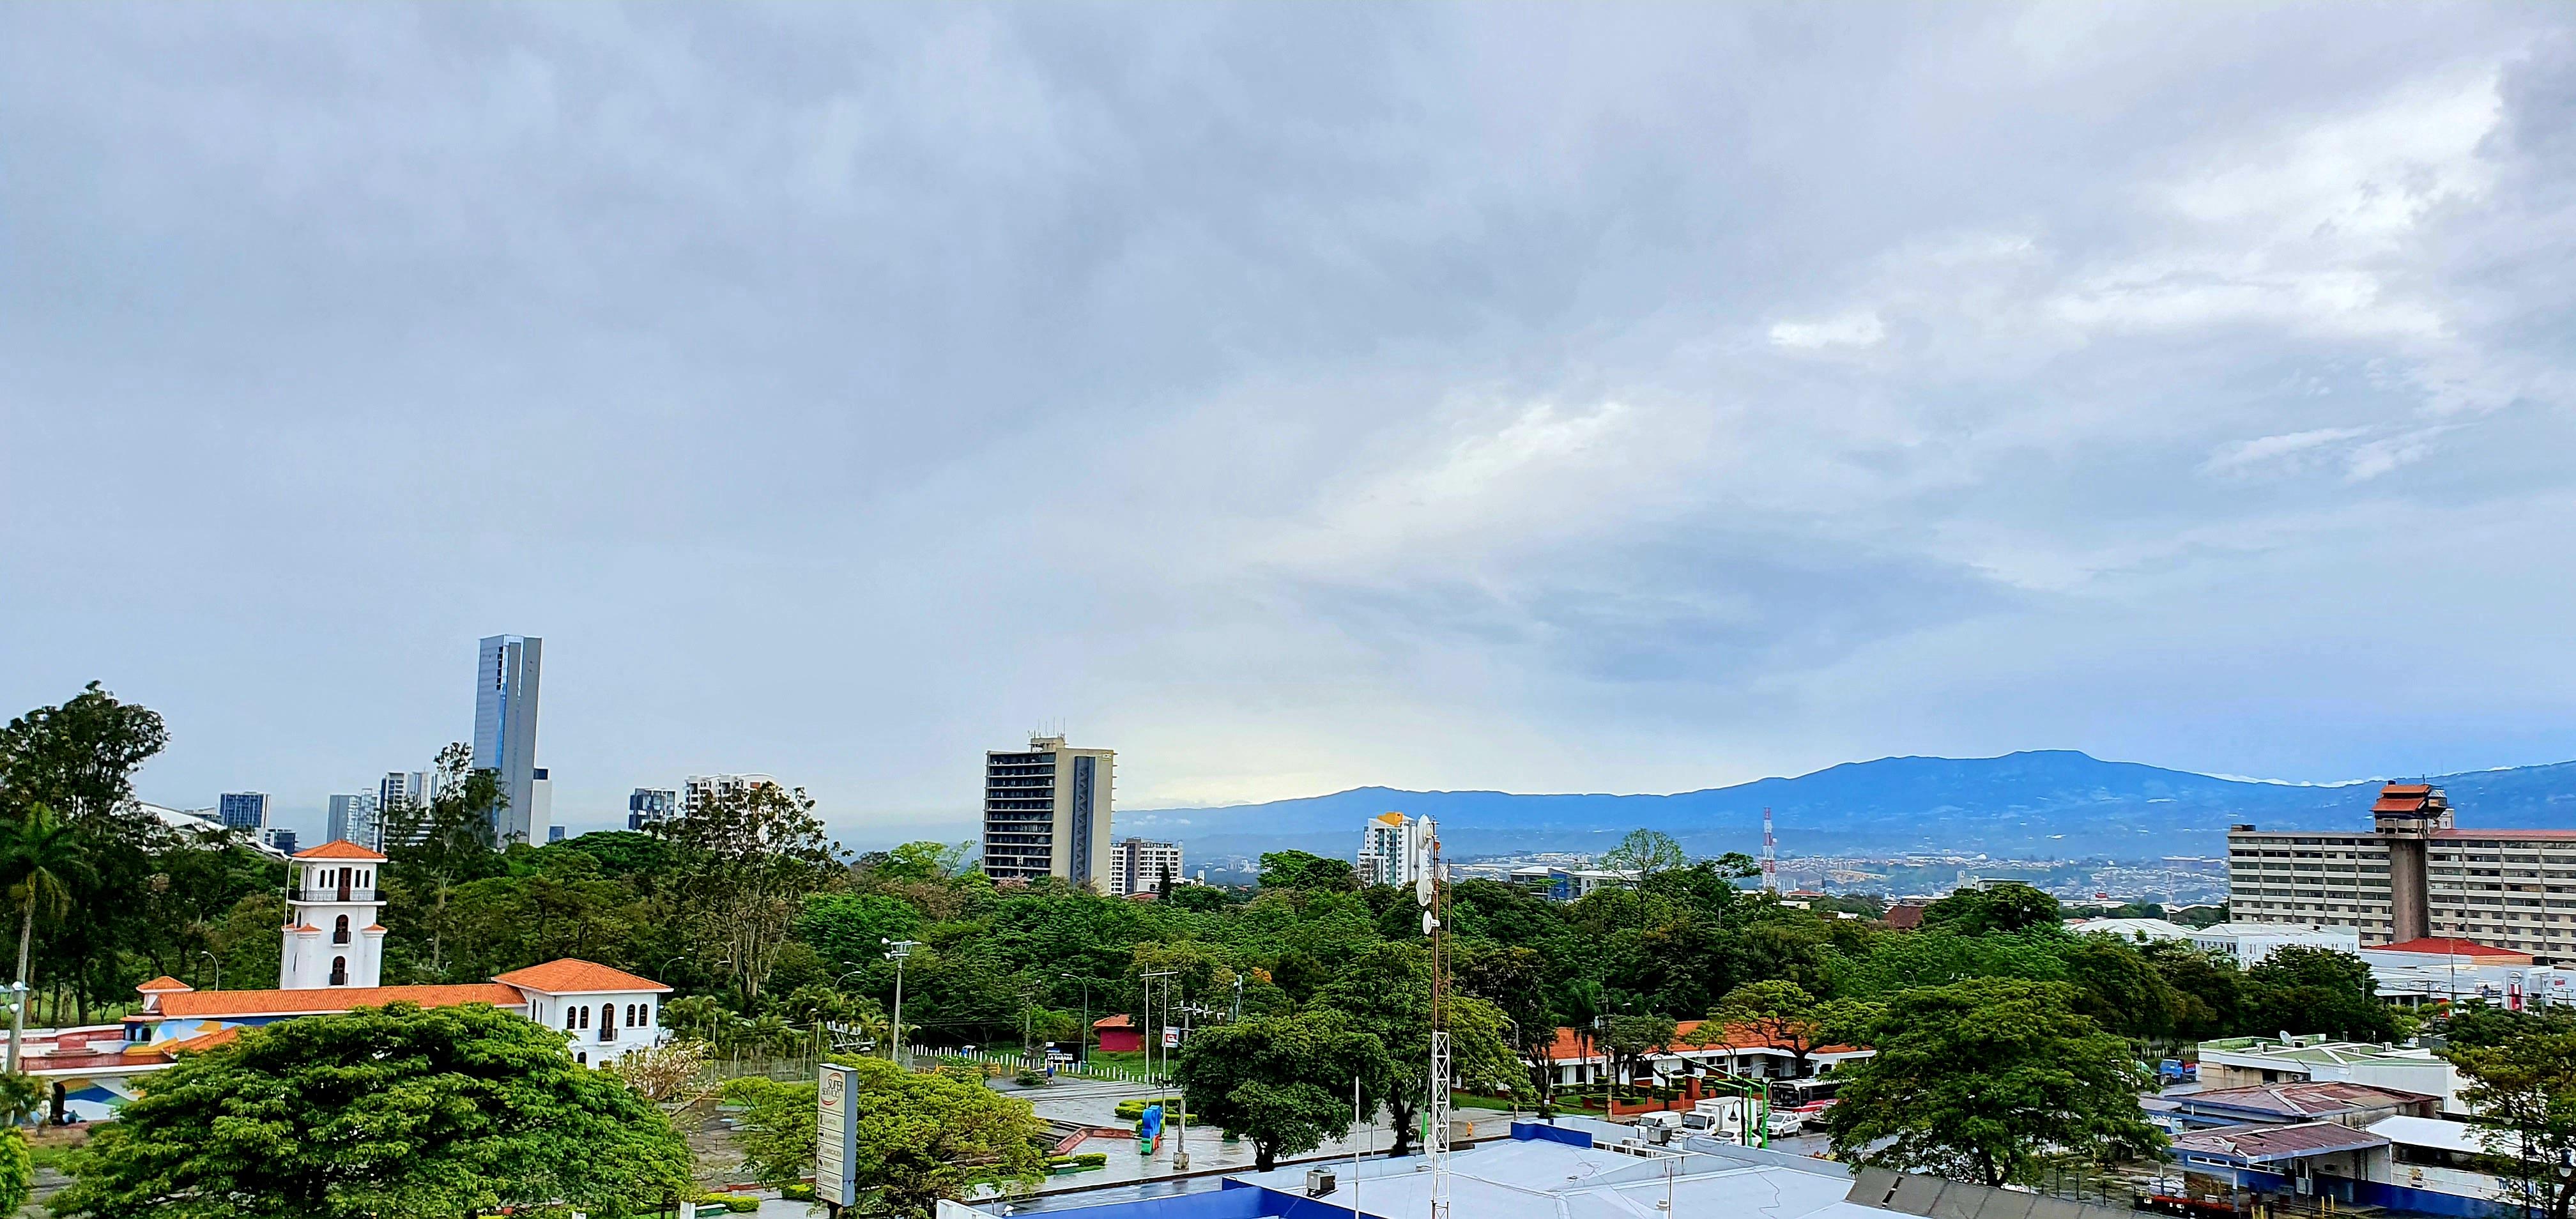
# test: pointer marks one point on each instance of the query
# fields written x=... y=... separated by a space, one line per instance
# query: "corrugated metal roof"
x=2261 y=1144
x=2301 y=1099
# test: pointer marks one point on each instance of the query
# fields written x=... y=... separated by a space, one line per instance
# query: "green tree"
x=1973 y=1081
x=40 y=857
x=385 y=1113
x=2521 y=1069
x=1646 y=852
x=746 y=859
x=1628 y=1040
x=1779 y=1011
x=924 y=1137
x=1285 y=1082
x=1303 y=870
x=2007 y=908
x=1387 y=991
x=17 y=1170
x=439 y=844
x=79 y=760
x=923 y=861
x=778 y=1132
x=2318 y=990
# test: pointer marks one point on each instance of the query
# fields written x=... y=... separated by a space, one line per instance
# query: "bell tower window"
x=339 y=971
x=340 y=930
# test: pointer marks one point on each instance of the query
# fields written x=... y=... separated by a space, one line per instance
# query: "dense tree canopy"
x=1976 y=1079
x=384 y=1113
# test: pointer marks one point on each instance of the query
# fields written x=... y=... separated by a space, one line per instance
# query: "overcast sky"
x=1291 y=398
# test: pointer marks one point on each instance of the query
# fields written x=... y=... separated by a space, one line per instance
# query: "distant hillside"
x=2045 y=802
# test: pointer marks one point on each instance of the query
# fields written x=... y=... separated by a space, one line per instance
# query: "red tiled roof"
x=1904 y=918
x=341 y=848
x=204 y=1003
x=1567 y=1048
x=2453 y=946
x=571 y=976
x=1119 y=1021
x=165 y=984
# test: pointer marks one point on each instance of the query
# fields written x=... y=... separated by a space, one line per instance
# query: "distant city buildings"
x=398 y=791
x=1047 y=811
x=355 y=818
x=1559 y=884
x=505 y=728
x=2413 y=875
x=1394 y=850
x=650 y=806
x=242 y=810
x=1137 y=865
x=278 y=838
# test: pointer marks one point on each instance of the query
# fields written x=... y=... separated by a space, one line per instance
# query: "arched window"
x=585 y=1016
x=607 y=1022
x=571 y=1015
x=339 y=971
x=340 y=930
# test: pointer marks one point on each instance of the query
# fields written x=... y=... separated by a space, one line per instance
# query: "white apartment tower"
x=332 y=937
x=1046 y=812
x=699 y=789
x=1394 y=850
x=1138 y=865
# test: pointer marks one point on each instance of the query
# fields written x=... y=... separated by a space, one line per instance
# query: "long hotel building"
x=2414 y=874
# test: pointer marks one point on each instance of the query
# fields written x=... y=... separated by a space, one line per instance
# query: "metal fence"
x=1037 y=1063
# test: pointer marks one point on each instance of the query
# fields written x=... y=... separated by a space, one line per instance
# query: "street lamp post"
x=218 y=963
x=1085 y=1036
x=898 y=951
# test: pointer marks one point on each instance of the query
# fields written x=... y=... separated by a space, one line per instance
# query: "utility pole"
x=1427 y=891
x=897 y=952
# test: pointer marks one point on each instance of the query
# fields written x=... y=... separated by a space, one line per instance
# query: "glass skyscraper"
x=243 y=810
x=505 y=728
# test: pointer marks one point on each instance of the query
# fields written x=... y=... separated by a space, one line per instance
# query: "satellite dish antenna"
x=1422 y=891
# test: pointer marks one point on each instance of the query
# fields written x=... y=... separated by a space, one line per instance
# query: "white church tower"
x=333 y=940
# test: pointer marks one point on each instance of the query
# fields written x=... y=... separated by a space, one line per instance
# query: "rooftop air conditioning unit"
x=1319 y=1182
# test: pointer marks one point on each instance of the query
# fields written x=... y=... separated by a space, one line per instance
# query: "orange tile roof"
x=1738 y=1037
x=341 y=848
x=165 y=984
x=1119 y=1021
x=202 y=1003
x=571 y=976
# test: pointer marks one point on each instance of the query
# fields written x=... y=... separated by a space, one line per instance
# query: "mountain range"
x=2041 y=803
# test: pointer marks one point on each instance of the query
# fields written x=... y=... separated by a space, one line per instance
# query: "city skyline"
x=1776 y=388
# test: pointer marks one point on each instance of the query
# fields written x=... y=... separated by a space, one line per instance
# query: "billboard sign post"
x=836 y=1132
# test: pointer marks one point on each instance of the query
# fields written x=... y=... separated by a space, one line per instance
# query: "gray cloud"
x=1598 y=398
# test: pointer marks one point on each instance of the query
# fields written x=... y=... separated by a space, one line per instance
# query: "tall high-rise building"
x=1046 y=812
x=278 y=838
x=397 y=791
x=505 y=728
x=650 y=806
x=1394 y=850
x=698 y=789
x=243 y=810
x=1137 y=865
x=357 y=819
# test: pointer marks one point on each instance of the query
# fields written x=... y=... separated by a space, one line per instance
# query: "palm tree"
x=40 y=856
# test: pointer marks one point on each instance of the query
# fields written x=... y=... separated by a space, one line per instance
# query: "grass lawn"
x=1133 y=1060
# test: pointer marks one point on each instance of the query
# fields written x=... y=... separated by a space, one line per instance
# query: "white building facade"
x=332 y=936
x=1138 y=865
x=1394 y=850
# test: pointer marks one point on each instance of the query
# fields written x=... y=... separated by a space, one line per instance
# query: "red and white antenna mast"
x=1770 y=855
